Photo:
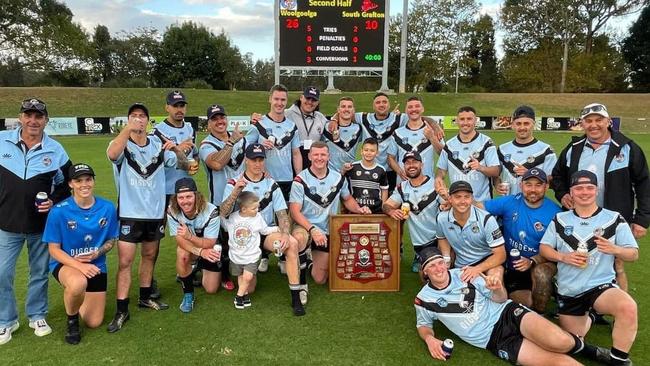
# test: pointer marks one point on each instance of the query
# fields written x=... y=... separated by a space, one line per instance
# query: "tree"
x=134 y=55
x=103 y=51
x=636 y=51
x=595 y=14
x=481 y=60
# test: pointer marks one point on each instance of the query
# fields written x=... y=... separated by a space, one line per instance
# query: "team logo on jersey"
x=333 y=189
x=72 y=225
x=366 y=172
x=568 y=230
x=346 y=145
x=620 y=157
x=88 y=238
x=442 y=302
x=312 y=190
x=47 y=161
x=522 y=235
x=503 y=354
x=125 y=229
x=599 y=231
x=364 y=192
x=364 y=258
x=266 y=195
x=154 y=160
x=375 y=175
x=539 y=226
x=506 y=157
x=102 y=222
x=530 y=159
x=476 y=154
x=324 y=200
x=358 y=173
x=475 y=228
x=515 y=216
x=518 y=311
x=455 y=154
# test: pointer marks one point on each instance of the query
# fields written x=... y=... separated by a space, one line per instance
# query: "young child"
x=244 y=228
x=367 y=179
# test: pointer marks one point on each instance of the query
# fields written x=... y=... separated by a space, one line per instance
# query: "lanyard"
x=305 y=123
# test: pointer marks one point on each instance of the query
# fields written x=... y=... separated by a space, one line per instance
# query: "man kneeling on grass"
x=480 y=313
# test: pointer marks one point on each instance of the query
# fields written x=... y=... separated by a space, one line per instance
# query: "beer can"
x=406 y=209
x=41 y=197
x=583 y=250
x=448 y=347
x=193 y=164
x=277 y=248
x=217 y=248
x=336 y=135
x=505 y=186
x=515 y=255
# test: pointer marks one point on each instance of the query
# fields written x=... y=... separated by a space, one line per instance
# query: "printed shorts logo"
x=125 y=229
x=503 y=354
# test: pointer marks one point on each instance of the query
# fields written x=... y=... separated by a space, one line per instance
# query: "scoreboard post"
x=331 y=35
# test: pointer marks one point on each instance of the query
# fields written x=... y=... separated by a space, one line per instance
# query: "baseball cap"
x=185 y=185
x=535 y=173
x=523 y=111
x=33 y=104
x=175 y=97
x=311 y=92
x=460 y=186
x=429 y=254
x=135 y=106
x=215 y=109
x=255 y=151
x=412 y=155
x=80 y=169
x=594 y=108
x=582 y=175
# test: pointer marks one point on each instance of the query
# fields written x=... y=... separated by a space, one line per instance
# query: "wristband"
x=311 y=228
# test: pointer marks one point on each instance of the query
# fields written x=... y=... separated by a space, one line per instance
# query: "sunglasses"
x=594 y=109
x=33 y=104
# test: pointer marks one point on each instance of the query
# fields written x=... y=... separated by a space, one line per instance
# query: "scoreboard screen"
x=332 y=33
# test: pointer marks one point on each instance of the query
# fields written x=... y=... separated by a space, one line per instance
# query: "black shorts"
x=581 y=304
x=391 y=176
x=419 y=248
x=506 y=338
x=285 y=188
x=98 y=283
x=315 y=247
x=306 y=163
x=137 y=231
x=208 y=266
x=518 y=281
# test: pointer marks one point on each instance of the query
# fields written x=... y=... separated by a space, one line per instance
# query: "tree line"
x=548 y=46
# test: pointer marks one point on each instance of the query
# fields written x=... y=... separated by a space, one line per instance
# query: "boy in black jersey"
x=367 y=179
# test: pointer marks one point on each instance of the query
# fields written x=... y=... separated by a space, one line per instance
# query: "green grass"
x=64 y=102
x=339 y=329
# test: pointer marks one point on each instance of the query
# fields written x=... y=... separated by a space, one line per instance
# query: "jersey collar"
x=592 y=215
x=533 y=142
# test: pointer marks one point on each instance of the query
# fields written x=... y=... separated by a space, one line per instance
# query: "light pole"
x=457 y=57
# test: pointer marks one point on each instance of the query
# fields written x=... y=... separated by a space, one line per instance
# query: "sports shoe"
x=239 y=302
x=264 y=265
x=155 y=291
x=73 y=335
x=298 y=309
x=603 y=355
x=118 y=322
x=5 y=333
x=415 y=266
x=152 y=304
x=304 y=293
x=188 y=303
x=40 y=327
x=228 y=285
x=247 y=301
x=282 y=266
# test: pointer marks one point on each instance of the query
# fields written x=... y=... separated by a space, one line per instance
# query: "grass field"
x=64 y=102
x=339 y=329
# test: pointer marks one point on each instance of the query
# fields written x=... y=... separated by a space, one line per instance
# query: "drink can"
x=277 y=248
x=41 y=197
x=515 y=254
x=406 y=208
x=448 y=347
x=193 y=164
x=217 y=248
x=272 y=139
x=505 y=186
x=336 y=135
x=583 y=250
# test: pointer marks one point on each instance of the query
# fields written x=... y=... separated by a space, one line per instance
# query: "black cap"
x=215 y=109
x=412 y=155
x=80 y=169
x=33 y=104
x=185 y=185
x=135 y=106
x=583 y=174
x=523 y=111
x=535 y=173
x=175 y=97
x=428 y=254
x=460 y=186
x=311 y=92
x=255 y=151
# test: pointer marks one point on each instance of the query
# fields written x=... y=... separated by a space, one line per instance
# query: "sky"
x=248 y=23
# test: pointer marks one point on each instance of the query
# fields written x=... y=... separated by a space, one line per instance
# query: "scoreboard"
x=332 y=34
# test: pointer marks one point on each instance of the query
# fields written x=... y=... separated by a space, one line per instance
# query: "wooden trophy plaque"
x=364 y=253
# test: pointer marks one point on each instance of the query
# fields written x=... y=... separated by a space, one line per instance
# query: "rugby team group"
x=489 y=266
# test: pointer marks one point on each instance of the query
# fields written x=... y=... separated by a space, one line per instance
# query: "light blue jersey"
x=177 y=135
x=140 y=179
x=424 y=207
x=465 y=308
x=217 y=178
x=80 y=230
x=533 y=154
x=523 y=226
x=204 y=225
x=279 y=160
x=567 y=230
x=382 y=131
x=268 y=192
x=455 y=157
x=345 y=149
x=319 y=198
x=406 y=140
x=472 y=242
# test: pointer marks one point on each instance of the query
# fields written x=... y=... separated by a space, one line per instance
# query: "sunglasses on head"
x=33 y=104
x=594 y=109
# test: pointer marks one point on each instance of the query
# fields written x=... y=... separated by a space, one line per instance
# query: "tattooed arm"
x=227 y=205
x=283 y=221
x=106 y=247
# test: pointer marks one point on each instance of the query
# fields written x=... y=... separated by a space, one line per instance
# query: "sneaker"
x=415 y=266
x=298 y=309
x=118 y=322
x=282 y=266
x=247 y=301
x=228 y=285
x=264 y=265
x=239 y=302
x=5 y=333
x=188 y=303
x=40 y=327
x=304 y=292
x=155 y=291
x=152 y=304
x=73 y=335
x=603 y=355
